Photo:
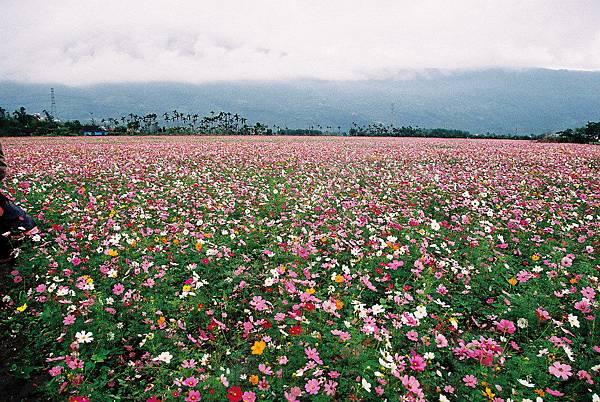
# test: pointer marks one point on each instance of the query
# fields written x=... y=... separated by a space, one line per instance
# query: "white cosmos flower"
x=526 y=383
x=163 y=357
x=377 y=309
x=366 y=385
x=573 y=320
x=84 y=337
x=421 y=312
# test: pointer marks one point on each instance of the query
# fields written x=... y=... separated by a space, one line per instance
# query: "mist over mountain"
x=528 y=101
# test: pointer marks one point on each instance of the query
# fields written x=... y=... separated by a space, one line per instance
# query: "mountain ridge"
x=530 y=101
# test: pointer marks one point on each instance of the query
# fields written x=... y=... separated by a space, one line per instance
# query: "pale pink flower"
x=470 y=381
x=560 y=370
x=312 y=354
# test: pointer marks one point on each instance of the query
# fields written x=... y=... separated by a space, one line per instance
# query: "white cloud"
x=83 y=42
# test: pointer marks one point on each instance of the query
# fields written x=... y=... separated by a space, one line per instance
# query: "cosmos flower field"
x=296 y=269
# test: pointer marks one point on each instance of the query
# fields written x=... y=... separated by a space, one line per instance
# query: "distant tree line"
x=383 y=130
x=590 y=133
x=22 y=123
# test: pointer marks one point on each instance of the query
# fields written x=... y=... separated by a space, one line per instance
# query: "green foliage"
x=583 y=135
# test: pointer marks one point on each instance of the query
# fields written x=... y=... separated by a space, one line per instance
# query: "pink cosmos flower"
x=470 y=381
x=69 y=319
x=312 y=387
x=583 y=305
x=292 y=394
x=330 y=387
x=411 y=384
x=588 y=293
x=506 y=326
x=441 y=341
x=542 y=314
x=263 y=385
x=259 y=303
x=344 y=336
x=193 y=396
x=263 y=368
x=554 y=393
x=560 y=370
x=312 y=354
x=248 y=396
x=584 y=375
x=74 y=363
x=56 y=370
x=190 y=382
x=188 y=363
x=524 y=276
x=417 y=362
x=118 y=289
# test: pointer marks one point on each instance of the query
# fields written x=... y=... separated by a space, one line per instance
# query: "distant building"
x=93 y=131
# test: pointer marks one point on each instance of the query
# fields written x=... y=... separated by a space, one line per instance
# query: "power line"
x=52 y=103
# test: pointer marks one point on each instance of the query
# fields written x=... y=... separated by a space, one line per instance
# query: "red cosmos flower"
x=234 y=394
x=212 y=325
x=296 y=330
x=79 y=399
x=310 y=306
x=267 y=325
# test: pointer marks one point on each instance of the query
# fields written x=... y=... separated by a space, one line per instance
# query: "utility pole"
x=52 y=104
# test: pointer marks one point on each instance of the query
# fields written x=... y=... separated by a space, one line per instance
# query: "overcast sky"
x=83 y=42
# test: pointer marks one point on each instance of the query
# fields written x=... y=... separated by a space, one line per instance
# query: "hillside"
x=501 y=101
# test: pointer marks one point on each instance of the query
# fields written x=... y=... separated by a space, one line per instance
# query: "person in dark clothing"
x=15 y=224
x=2 y=164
